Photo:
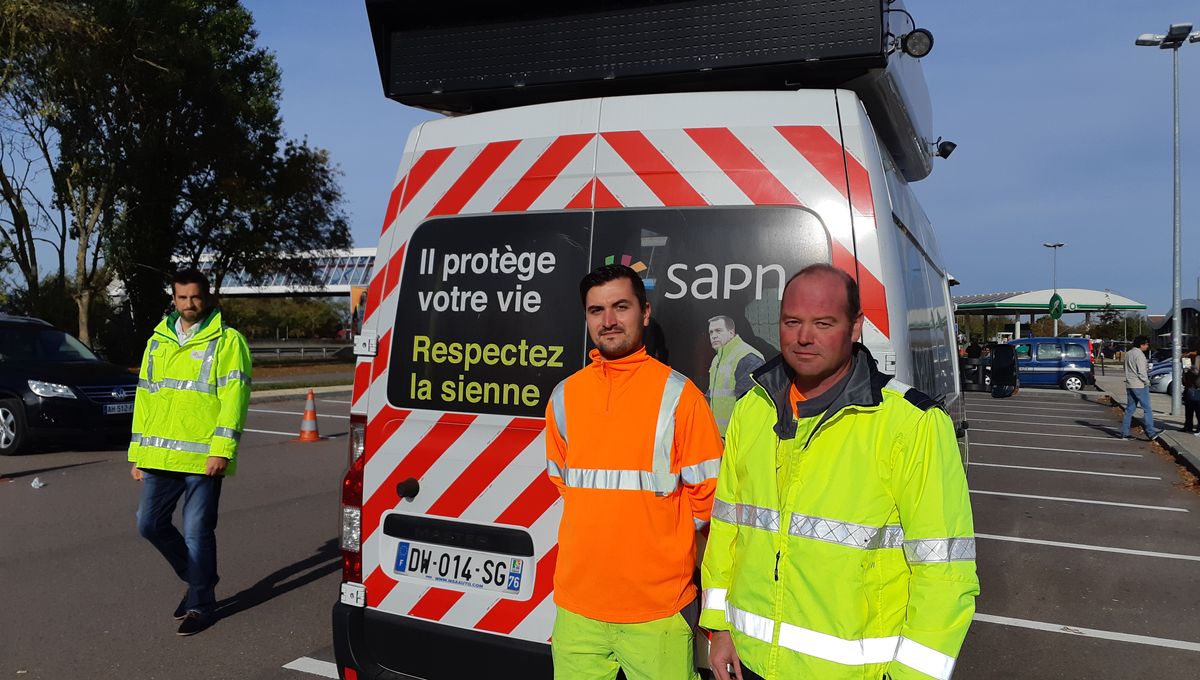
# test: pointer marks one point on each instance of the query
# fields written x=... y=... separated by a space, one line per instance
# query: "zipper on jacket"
x=776 y=565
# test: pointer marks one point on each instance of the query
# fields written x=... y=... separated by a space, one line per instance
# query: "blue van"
x=1066 y=362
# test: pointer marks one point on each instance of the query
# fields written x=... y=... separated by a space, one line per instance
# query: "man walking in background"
x=1137 y=388
x=193 y=392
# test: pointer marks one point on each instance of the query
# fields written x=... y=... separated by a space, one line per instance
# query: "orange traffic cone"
x=308 y=426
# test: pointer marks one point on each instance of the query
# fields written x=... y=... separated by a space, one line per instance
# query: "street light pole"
x=1054 y=273
x=1176 y=35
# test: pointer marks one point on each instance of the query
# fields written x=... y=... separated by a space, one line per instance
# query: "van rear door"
x=478 y=246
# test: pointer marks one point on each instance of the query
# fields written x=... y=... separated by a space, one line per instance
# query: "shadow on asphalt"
x=38 y=471
x=320 y=564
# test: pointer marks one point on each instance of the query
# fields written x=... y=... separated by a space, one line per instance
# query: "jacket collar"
x=863 y=388
x=627 y=363
x=210 y=326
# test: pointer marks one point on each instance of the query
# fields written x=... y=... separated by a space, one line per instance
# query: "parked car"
x=54 y=389
x=1160 y=355
x=1065 y=362
x=1160 y=377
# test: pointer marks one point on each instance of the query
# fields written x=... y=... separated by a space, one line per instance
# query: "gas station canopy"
x=1038 y=302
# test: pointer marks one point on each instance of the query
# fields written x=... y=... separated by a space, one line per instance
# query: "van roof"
x=532 y=53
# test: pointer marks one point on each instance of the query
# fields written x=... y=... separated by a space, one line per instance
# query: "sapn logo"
x=639 y=267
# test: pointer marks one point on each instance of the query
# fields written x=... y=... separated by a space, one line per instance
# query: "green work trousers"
x=587 y=649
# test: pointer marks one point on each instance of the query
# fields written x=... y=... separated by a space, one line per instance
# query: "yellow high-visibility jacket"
x=860 y=559
x=191 y=398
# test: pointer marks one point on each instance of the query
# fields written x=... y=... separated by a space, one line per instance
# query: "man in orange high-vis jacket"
x=634 y=450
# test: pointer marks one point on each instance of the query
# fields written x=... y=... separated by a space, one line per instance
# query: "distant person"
x=1137 y=388
x=192 y=396
x=1191 y=397
x=729 y=373
x=974 y=350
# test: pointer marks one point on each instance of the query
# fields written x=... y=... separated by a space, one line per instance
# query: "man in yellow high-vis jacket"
x=841 y=543
x=192 y=397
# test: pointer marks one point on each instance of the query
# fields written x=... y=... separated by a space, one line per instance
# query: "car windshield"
x=41 y=344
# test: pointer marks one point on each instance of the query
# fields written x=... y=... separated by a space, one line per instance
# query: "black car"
x=54 y=389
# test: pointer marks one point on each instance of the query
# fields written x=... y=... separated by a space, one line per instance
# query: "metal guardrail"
x=300 y=351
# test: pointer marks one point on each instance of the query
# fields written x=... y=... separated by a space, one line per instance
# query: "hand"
x=135 y=473
x=722 y=655
x=215 y=466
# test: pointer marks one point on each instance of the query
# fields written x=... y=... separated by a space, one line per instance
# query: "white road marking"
x=298 y=413
x=1043 y=434
x=1074 y=472
x=304 y=664
x=1034 y=422
x=1084 y=546
x=285 y=434
x=1042 y=448
x=1080 y=500
x=1089 y=632
x=1027 y=409
x=971 y=415
x=335 y=401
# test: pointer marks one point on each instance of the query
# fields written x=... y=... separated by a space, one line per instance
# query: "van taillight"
x=352 y=501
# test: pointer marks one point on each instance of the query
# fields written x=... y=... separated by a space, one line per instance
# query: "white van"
x=449 y=523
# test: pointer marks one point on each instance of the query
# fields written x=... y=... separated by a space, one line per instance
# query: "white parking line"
x=1084 y=546
x=1080 y=500
x=1043 y=434
x=1089 y=632
x=285 y=434
x=305 y=664
x=1020 y=410
x=1034 y=422
x=297 y=413
x=1042 y=448
x=1074 y=472
x=971 y=414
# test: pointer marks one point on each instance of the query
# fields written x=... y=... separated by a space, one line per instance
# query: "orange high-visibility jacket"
x=634 y=450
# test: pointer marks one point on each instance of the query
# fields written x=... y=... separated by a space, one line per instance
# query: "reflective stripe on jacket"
x=867 y=566
x=191 y=398
x=633 y=449
x=722 y=378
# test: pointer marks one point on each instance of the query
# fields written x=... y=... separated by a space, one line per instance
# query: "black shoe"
x=181 y=609
x=193 y=622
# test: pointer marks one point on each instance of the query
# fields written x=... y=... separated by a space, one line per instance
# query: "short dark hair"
x=729 y=326
x=612 y=272
x=188 y=276
x=853 y=300
x=1141 y=340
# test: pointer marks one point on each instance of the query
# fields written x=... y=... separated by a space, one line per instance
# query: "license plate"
x=110 y=409
x=480 y=571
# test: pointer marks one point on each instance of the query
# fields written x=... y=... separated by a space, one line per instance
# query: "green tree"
x=164 y=140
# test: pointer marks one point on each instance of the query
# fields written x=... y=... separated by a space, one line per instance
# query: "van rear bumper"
x=381 y=646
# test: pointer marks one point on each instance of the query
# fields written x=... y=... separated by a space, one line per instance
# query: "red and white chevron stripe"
x=469 y=465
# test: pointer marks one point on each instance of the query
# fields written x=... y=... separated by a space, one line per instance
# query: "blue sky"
x=1063 y=127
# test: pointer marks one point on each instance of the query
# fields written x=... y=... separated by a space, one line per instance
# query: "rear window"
x=489 y=319
x=1073 y=350
x=1048 y=350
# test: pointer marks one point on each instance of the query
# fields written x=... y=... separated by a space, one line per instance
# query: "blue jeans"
x=1132 y=398
x=192 y=554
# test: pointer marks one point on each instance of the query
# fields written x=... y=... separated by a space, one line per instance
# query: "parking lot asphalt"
x=1088 y=545
x=83 y=596
x=1088 y=551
